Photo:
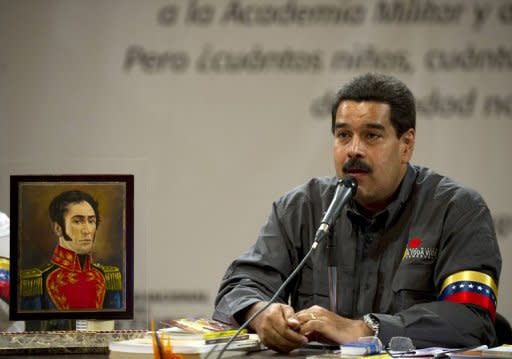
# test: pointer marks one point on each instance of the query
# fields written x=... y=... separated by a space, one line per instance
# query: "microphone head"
x=350 y=182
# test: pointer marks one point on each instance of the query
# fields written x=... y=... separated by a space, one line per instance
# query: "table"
x=266 y=354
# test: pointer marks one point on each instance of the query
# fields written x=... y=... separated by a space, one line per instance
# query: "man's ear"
x=407 y=141
x=57 y=229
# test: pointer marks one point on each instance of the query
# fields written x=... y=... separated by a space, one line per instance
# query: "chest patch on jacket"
x=416 y=250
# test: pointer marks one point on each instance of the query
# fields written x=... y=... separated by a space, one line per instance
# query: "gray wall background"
x=157 y=89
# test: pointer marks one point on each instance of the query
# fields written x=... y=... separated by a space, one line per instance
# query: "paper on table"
x=433 y=352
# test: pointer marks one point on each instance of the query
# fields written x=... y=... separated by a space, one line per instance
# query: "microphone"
x=345 y=190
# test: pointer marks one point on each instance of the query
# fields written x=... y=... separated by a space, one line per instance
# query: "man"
x=71 y=281
x=417 y=254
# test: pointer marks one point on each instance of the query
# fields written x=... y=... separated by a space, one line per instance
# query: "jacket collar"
x=69 y=260
x=388 y=215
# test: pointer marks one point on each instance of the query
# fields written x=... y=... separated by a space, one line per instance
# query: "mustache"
x=357 y=164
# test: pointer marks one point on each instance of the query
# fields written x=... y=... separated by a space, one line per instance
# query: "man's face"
x=366 y=147
x=80 y=228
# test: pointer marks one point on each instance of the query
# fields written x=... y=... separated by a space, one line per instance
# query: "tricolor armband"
x=471 y=287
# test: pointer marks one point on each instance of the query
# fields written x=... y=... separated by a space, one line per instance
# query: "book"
x=189 y=348
x=211 y=331
x=198 y=325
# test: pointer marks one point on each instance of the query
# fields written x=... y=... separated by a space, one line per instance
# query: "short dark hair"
x=59 y=205
x=380 y=88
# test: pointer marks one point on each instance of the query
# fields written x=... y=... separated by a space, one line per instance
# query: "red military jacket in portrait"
x=72 y=287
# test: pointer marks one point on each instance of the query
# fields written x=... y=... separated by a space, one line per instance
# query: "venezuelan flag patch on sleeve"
x=471 y=287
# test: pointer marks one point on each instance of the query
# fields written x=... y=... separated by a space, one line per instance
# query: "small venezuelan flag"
x=471 y=287
x=4 y=279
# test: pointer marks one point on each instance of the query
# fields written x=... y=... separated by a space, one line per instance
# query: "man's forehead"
x=363 y=111
x=364 y=106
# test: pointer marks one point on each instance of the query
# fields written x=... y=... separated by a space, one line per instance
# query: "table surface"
x=266 y=354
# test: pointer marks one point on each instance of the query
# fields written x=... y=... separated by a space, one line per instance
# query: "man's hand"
x=277 y=327
x=320 y=324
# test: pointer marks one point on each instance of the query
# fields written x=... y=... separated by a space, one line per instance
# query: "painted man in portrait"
x=71 y=280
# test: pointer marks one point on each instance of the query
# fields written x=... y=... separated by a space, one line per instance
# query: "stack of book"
x=192 y=338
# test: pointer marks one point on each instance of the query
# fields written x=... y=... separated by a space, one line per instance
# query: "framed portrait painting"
x=71 y=247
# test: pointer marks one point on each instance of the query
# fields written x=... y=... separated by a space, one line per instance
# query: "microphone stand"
x=332 y=273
